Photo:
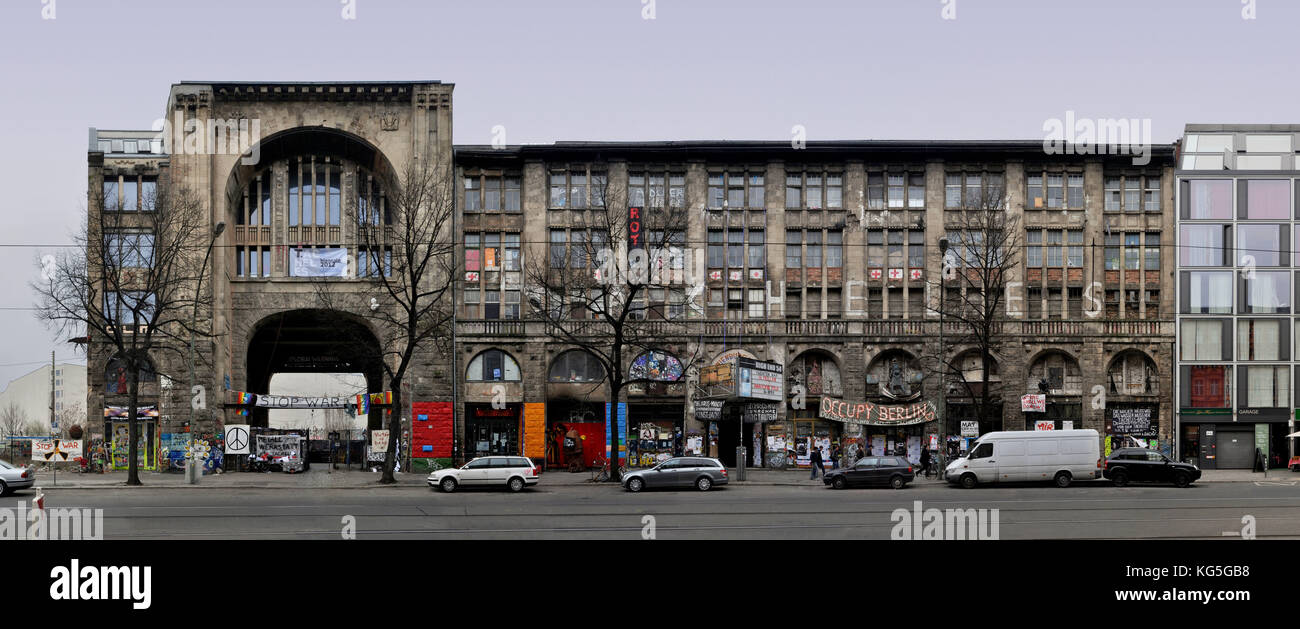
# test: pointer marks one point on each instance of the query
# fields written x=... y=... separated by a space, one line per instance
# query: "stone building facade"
x=823 y=259
x=839 y=290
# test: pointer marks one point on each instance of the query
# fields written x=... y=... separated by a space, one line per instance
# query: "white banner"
x=379 y=440
x=970 y=428
x=1033 y=403
x=298 y=401
x=56 y=450
x=318 y=262
x=1045 y=425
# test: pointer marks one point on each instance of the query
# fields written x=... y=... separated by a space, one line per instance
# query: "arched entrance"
x=312 y=341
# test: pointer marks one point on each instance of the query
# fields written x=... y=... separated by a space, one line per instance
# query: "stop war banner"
x=871 y=414
x=56 y=450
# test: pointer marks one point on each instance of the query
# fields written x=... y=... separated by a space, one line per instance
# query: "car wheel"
x=4 y=489
x=1182 y=480
x=516 y=484
x=703 y=483
x=839 y=483
x=897 y=482
x=635 y=484
x=968 y=481
x=448 y=484
x=1119 y=477
x=1063 y=479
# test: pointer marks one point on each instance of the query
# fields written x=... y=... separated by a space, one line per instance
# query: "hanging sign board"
x=318 y=262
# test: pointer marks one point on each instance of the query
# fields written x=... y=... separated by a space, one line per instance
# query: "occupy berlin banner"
x=331 y=262
x=871 y=414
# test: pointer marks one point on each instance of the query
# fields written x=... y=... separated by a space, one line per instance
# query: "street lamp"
x=194 y=472
x=943 y=364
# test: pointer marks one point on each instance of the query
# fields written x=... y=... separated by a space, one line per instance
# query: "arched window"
x=493 y=365
x=576 y=366
x=1132 y=373
x=894 y=374
x=116 y=377
x=657 y=366
x=1060 y=371
x=817 y=373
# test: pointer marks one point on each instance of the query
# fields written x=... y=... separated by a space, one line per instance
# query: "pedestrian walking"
x=815 y=462
x=835 y=458
x=925 y=461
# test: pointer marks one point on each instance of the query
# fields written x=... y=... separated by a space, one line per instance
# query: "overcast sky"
x=598 y=70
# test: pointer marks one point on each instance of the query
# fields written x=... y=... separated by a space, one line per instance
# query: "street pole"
x=943 y=368
x=194 y=470
x=54 y=433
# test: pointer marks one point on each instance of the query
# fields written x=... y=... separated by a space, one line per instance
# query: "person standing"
x=835 y=457
x=815 y=462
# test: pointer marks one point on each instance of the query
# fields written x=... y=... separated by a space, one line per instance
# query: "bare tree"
x=984 y=243
x=619 y=287
x=406 y=248
x=132 y=284
x=12 y=420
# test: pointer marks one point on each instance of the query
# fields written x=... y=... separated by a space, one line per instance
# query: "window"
x=876 y=249
x=577 y=188
x=1202 y=245
x=1152 y=252
x=814 y=190
x=1034 y=250
x=1268 y=144
x=129 y=308
x=1260 y=339
x=1268 y=199
x=1267 y=387
x=1054 y=238
x=975 y=190
x=716 y=249
x=493 y=365
x=654 y=190
x=1209 y=292
x=1112 y=252
x=1054 y=191
x=559 y=249
x=757 y=303
x=492 y=193
x=1132 y=193
x=1267 y=292
x=1075 y=240
x=131 y=250
x=371 y=262
x=735 y=190
x=111 y=200
x=1132 y=249
x=1259 y=245
x=915 y=249
x=252 y=262
x=314 y=192
x=1205 y=386
x=372 y=205
x=813 y=249
x=1208 y=199
x=875 y=191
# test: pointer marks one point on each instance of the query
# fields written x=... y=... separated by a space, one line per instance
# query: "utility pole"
x=53 y=422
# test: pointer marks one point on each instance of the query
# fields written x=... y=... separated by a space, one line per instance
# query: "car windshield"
x=5 y=465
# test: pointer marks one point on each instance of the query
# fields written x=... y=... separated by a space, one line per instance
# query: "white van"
x=1020 y=456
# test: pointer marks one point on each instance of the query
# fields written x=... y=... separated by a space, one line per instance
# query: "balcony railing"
x=1050 y=328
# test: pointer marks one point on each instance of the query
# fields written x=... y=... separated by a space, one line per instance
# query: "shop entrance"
x=575 y=433
x=492 y=431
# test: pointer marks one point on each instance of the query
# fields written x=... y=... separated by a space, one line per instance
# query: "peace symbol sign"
x=237 y=438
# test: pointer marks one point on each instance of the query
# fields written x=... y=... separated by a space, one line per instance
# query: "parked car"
x=512 y=472
x=684 y=471
x=892 y=471
x=13 y=478
x=1141 y=465
x=1017 y=456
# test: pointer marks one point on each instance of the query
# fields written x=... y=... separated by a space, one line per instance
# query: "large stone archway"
x=311 y=341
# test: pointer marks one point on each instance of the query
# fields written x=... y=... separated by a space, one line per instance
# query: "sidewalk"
x=320 y=476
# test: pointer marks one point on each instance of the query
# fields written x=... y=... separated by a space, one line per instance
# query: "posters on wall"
x=708 y=410
x=877 y=445
x=970 y=428
x=1136 y=421
x=914 y=449
x=237 y=439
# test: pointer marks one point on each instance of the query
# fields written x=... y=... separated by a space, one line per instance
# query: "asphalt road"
x=1095 y=511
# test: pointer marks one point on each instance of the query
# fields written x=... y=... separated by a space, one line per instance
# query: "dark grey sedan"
x=685 y=471
x=13 y=477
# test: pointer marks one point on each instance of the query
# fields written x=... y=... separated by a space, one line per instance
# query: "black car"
x=1139 y=465
x=893 y=471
